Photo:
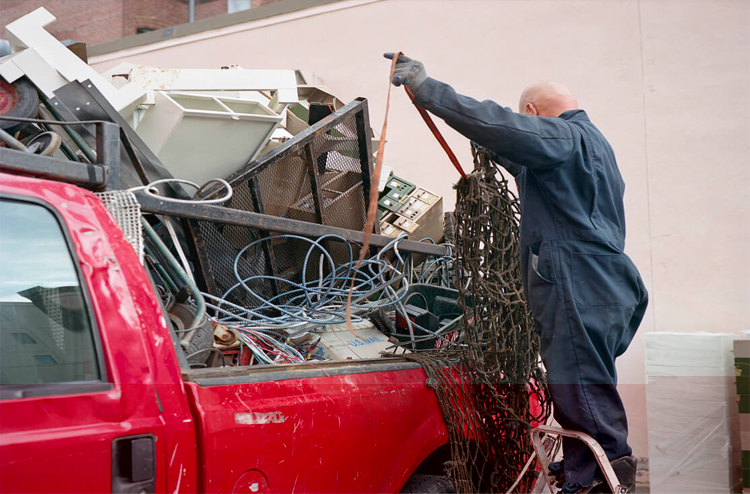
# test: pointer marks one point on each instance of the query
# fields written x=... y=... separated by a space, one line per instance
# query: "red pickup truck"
x=96 y=396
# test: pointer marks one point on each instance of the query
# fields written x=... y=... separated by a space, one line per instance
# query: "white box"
x=338 y=343
x=689 y=354
x=689 y=388
x=200 y=137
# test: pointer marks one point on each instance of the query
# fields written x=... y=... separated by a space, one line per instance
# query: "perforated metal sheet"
x=126 y=211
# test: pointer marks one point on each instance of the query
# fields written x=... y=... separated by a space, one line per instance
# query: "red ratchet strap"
x=372 y=205
x=428 y=120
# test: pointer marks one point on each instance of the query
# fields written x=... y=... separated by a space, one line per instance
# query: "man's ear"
x=531 y=109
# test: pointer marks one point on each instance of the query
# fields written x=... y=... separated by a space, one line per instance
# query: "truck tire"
x=429 y=484
x=18 y=99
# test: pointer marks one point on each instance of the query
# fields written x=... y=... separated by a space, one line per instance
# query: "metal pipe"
x=90 y=176
x=217 y=214
x=67 y=151
x=175 y=266
x=12 y=142
x=108 y=152
x=191 y=11
x=160 y=269
x=85 y=148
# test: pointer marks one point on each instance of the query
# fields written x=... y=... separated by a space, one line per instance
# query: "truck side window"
x=45 y=333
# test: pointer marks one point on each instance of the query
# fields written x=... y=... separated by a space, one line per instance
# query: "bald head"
x=546 y=99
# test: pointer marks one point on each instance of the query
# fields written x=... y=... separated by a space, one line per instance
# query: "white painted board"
x=29 y=32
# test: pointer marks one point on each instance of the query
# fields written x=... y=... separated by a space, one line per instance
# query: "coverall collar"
x=577 y=114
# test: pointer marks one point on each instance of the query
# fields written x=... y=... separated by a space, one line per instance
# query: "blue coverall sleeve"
x=513 y=168
x=533 y=142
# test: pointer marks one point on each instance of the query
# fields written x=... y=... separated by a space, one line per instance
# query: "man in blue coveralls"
x=585 y=294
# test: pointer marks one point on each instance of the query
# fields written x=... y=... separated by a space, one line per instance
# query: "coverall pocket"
x=541 y=291
x=603 y=279
x=540 y=266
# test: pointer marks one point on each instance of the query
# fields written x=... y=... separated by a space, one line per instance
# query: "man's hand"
x=481 y=149
x=478 y=147
x=408 y=72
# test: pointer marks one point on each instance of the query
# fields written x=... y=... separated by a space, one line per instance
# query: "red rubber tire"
x=18 y=99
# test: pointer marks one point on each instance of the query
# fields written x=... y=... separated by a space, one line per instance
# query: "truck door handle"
x=134 y=464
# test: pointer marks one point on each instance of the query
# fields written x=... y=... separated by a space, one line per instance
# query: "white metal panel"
x=29 y=63
x=284 y=82
x=200 y=137
x=29 y=32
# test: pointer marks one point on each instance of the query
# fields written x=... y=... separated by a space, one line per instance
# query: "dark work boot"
x=624 y=468
x=568 y=488
x=556 y=468
x=557 y=472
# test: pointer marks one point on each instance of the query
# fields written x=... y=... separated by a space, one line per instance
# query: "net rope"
x=493 y=390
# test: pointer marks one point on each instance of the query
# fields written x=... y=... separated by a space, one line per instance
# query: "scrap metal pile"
x=253 y=266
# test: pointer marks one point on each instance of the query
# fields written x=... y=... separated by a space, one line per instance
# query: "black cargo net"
x=493 y=390
x=319 y=176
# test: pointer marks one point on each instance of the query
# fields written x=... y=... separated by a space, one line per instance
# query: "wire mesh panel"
x=322 y=176
x=126 y=211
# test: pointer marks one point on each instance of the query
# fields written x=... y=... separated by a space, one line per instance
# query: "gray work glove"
x=408 y=72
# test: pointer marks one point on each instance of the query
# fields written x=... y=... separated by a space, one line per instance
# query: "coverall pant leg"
x=587 y=300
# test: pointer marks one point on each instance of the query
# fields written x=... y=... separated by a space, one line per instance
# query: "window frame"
x=20 y=391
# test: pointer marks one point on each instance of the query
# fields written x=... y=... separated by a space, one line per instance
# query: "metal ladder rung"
x=599 y=455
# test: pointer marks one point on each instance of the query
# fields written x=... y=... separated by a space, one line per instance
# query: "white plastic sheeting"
x=692 y=414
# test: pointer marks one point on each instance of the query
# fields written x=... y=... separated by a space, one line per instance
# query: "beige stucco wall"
x=667 y=81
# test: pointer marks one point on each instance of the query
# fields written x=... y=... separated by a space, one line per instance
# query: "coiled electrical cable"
x=151 y=190
x=310 y=303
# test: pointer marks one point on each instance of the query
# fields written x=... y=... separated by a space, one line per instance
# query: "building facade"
x=99 y=21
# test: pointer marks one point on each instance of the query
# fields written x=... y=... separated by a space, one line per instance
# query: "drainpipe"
x=191 y=11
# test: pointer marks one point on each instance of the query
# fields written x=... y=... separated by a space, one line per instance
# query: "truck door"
x=77 y=410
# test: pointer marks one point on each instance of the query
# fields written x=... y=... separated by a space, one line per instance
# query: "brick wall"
x=157 y=14
x=152 y=14
x=210 y=9
x=98 y=21
x=90 y=21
